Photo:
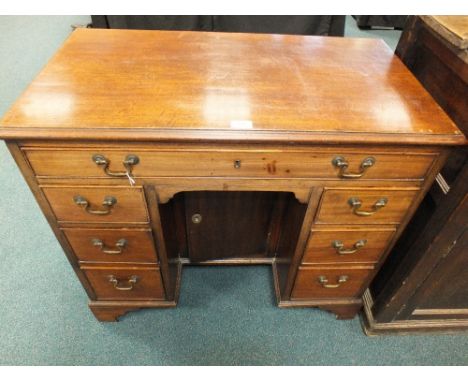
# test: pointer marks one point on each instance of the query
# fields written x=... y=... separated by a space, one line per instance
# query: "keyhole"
x=237 y=163
x=196 y=218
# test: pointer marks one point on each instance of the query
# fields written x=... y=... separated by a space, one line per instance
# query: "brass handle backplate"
x=340 y=250
x=340 y=281
x=342 y=164
x=356 y=204
x=123 y=284
x=119 y=246
x=129 y=161
x=108 y=203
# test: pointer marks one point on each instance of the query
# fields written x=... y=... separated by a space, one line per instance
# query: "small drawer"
x=266 y=163
x=97 y=204
x=364 y=206
x=112 y=245
x=330 y=282
x=347 y=246
x=129 y=283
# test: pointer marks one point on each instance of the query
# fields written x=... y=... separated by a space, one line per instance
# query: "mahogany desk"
x=147 y=150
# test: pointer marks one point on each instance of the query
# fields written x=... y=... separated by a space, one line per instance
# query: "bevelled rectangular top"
x=173 y=85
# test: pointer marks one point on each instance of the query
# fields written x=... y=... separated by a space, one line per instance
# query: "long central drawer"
x=329 y=164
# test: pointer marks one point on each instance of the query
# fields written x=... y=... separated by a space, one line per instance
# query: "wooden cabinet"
x=423 y=285
x=226 y=149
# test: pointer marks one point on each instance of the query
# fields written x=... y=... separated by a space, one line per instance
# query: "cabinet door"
x=444 y=294
x=226 y=225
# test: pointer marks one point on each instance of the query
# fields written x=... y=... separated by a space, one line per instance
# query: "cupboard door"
x=224 y=225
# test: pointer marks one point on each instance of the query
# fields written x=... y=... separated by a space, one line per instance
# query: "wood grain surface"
x=335 y=208
x=148 y=285
x=130 y=206
x=139 y=244
x=320 y=247
x=130 y=84
x=220 y=161
x=308 y=286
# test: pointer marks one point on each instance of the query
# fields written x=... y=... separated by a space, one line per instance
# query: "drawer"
x=129 y=283
x=330 y=282
x=342 y=246
x=97 y=204
x=112 y=245
x=318 y=163
x=364 y=206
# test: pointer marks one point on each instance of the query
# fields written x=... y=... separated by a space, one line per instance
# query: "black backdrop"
x=302 y=25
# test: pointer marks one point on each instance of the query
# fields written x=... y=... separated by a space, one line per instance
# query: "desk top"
x=173 y=85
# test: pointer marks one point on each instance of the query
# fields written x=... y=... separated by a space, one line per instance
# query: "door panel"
x=445 y=291
x=226 y=225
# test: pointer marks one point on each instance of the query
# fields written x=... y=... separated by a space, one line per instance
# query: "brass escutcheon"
x=196 y=218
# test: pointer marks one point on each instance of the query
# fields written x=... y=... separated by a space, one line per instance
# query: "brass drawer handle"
x=342 y=164
x=119 y=245
x=340 y=281
x=108 y=203
x=340 y=250
x=130 y=161
x=125 y=284
x=356 y=204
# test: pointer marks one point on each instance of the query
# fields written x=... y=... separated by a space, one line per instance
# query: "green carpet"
x=226 y=315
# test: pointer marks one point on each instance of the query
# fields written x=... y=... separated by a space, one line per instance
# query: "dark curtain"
x=301 y=25
x=397 y=22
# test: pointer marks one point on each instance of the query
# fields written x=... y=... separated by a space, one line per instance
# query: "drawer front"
x=97 y=204
x=112 y=245
x=342 y=246
x=264 y=163
x=132 y=283
x=330 y=282
x=363 y=206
